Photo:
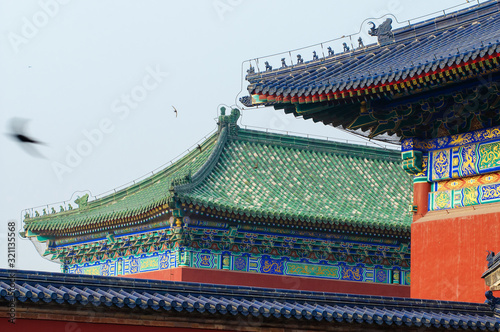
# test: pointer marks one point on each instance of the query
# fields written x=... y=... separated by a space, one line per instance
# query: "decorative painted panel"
x=240 y=263
x=467 y=196
x=406 y=277
x=271 y=266
x=134 y=265
x=489 y=157
x=440 y=165
x=382 y=276
x=92 y=270
x=352 y=273
x=472 y=181
x=465 y=161
x=369 y=274
x=253 y=264
x=312 y=270
x=164 y=262
x=396 y=277
x=205 y=259
x=489 y=193
x=149 y=264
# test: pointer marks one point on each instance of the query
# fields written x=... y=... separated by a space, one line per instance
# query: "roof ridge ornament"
x=229 y=121
x=82 y=201
x=493 y=301
x=383 y=32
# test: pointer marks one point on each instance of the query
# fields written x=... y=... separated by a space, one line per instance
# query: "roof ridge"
x=127 y=190
x=317 y=144
x=338 y=57
x=207 y=167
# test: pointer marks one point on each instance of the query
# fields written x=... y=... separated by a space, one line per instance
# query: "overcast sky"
x=98 y=79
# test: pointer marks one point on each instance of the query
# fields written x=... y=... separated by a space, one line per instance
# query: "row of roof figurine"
x=52 y=211
x=81 y=201
x=300 y=59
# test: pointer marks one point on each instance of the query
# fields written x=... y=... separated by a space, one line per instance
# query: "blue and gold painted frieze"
x=128 y=265
x=462 y=169
x=263 y=264
x=465 y=161
x=467 y=196
x=453 y=141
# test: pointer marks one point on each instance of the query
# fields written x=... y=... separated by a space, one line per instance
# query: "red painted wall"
x=448 y=253
x=223 y=277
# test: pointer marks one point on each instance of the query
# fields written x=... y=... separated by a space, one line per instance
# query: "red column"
x=421 y=198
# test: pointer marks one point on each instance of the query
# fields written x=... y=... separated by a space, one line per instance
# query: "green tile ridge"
x=154 y=190
x=207 y=168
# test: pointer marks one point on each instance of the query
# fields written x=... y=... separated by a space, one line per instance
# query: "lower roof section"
x=36 y=290
x=250 y=175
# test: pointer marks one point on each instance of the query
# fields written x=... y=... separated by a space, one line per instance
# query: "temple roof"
x=57 y=290
x=245 y=174
x=409 y=86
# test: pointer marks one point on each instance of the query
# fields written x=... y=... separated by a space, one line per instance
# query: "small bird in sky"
x=175 y=110
x=18 y=134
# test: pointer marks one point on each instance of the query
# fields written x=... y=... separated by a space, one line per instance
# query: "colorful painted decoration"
x=258 y=264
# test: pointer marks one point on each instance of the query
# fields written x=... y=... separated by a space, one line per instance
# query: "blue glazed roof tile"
x=420 y=48
x=217 y=299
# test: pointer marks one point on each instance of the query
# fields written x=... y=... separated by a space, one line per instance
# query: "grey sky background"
x=70 y=67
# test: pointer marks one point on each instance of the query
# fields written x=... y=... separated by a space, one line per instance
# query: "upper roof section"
x=135 y=296
x=252 y=175
x=366 y=87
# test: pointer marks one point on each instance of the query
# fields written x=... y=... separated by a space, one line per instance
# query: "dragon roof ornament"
x=383 y=32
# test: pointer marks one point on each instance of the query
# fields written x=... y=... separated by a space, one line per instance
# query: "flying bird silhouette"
x=18 y=134
x=175 y=110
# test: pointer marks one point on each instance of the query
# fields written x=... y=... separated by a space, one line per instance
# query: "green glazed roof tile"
x=266 y=175
x=292 y=178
